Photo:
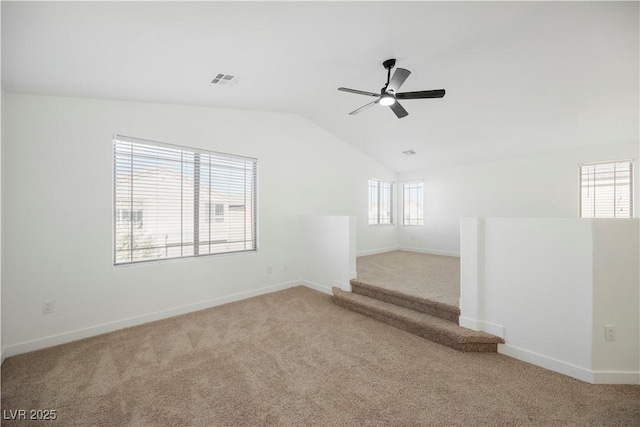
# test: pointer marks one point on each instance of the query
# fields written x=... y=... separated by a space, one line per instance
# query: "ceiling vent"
x=409 y=152
x=225 y=79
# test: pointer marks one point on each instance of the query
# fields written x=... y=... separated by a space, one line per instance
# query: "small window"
x=185 y=197
x=380 y=202
x=606 y=189
x=412 y=203
x=215 y=212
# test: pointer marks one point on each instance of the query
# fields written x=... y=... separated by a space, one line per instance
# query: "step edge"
x=411 y=298
x=449 y=327
x=440 y=339
x=412 y=304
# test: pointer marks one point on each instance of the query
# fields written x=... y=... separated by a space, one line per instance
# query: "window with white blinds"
x=380 y=202
x=412 y=203
x=606 y=189
x=175 y=202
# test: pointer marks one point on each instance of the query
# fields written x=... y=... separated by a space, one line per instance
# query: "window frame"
x=250 y=191
x=379 y=205
x=581 y=185
x=404 y=204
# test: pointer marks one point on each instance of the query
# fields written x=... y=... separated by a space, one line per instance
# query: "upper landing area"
x=431 y=277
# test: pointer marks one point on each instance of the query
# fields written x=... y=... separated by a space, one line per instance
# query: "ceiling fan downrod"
x=388 y=65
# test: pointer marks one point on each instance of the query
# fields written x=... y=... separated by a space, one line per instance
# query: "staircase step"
x=433 y=328
x=423 y=305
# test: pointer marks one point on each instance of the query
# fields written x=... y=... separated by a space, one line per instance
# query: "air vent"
x=409 y=152
x=224 y=79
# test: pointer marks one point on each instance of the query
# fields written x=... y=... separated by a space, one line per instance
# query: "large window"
x=193 y=202
x=606 y=190
x=380 y=202
x=412 y=203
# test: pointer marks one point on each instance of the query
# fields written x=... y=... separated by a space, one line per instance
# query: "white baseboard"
x=547 y=362
x=344 y=286
x=65 y=337
x=377 y=251
x=429 y=251
x=583 y=374
x=467 y=322
x=317 y=287
x=488 y=327
x=492 y=328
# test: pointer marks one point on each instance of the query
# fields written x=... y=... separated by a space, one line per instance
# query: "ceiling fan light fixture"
x=387 y=100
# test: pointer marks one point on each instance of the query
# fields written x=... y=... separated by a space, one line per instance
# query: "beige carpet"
x=433 y=277
x=295 y=358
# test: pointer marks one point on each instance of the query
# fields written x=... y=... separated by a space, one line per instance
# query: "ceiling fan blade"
x=438 y=93
x=398 y=109
x=359 y=92
x=398 y=79
x=364 y=107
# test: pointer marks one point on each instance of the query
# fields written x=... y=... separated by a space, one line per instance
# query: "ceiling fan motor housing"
x=389 y=63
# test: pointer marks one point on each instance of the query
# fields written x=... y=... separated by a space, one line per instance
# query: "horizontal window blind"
x=380 y=202
x=412 y=203
x=606 y=190
x=174 y=202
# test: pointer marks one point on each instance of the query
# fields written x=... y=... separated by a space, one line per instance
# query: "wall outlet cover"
x=610 y=332
x=47 y=307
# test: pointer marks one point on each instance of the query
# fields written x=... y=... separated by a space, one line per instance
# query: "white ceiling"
x=521 y=78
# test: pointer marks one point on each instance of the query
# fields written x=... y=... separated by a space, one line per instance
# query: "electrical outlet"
x=286 y=267
x=269 y=270
x=609 y=332
x=47 y=307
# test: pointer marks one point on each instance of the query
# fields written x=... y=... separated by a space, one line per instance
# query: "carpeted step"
x=433 y=328
x=423 y=305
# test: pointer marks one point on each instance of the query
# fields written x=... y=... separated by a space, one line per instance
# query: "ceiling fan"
x=389 y=95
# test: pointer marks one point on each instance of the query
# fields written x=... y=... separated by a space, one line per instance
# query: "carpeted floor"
x=295 y=358
x=433 y=277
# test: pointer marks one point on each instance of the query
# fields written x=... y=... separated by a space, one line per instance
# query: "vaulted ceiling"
x=521 y=77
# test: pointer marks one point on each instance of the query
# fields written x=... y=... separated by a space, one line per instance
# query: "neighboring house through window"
x=125 y=215
x=412 y=203
x=606 y=189
x=380 y=202
x=216 y=212
x=194 y=202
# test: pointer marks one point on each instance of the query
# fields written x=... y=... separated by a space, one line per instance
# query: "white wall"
x=616 y=296
x=328 y=251
x=538 y=285
x=548 y=286
x=57 y=211
x=540 y=186
x=1 y=108
x=1 y=132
